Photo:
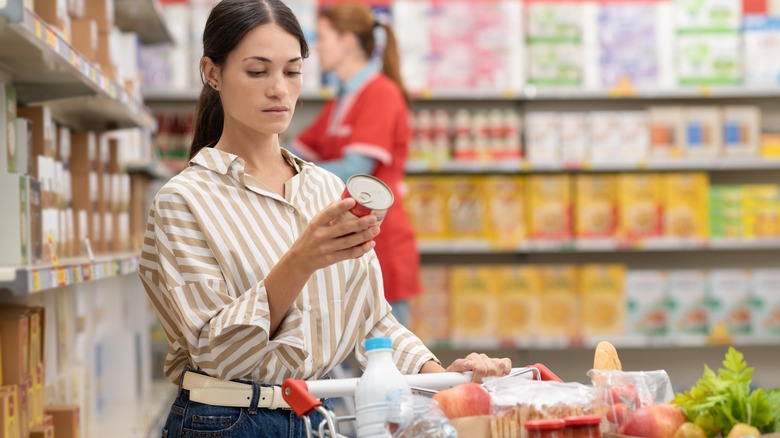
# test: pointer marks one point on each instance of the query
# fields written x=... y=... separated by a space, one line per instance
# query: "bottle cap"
x=378 y=344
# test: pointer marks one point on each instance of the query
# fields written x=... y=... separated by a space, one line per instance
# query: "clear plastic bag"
x=411 y=416
x=619 y=393
x=517 y=400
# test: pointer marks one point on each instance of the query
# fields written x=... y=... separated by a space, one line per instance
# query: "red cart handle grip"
x=296 y=394
x=546 y=374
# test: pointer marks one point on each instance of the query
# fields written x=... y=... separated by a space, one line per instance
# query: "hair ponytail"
x=391 y=62
x=209 y=120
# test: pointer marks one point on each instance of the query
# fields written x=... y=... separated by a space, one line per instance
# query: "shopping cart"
x=304 y=396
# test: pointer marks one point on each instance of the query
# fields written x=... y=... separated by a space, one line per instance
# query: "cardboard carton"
x=66 y=420
x=85 y=38
x=602 y=289
x=474 y=305
x=15 y=335
x=43 y=134
x=9 y=411
x=550 y=207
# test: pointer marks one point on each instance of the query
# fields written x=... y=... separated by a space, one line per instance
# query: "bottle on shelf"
x=380 y=380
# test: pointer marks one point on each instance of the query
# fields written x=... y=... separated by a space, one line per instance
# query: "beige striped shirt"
x=214 y=233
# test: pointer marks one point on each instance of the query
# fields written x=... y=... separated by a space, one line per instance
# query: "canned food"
x=371 y=196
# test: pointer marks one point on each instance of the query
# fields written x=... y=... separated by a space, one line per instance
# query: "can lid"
x=583 y=420
x=378 y=344
x=545 y=425
x=370 y=192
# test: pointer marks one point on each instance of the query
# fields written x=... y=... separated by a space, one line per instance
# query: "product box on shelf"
x=727 y=212
x=8 y=116
x=23 y=130
x=466 y=209
x=85 y=38
x=543 y=138
x=689 y=313
x=430 y=314
x=55 y=13
x=474 y=310
x=84 y=152
x=708 y=15
x=559 y=304
x=42 y=431
x=76 y=8
x=427 y=207
x=686 y=205
x=15 y=335
x=640 y=206
x=602 y=290
x=25 y=406
x=9 y=411
x=84 y=206
x=506 y=216
x=730 y=301
x=667 y=131
x=647 y=313
x=21 y=242
x=765 y=286
x=40 y=394
x=762 y=35
x=519 y=292
x=741 y=131
x=574 y=138
x=550 y=205
x=44 y=134
x=64 y=146
x=596 y=206
x=709 y=58
x=66 y=420
x=606 y=139
x=102 y=11
x=761 y=208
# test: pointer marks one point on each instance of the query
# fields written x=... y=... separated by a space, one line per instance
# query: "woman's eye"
x=256 y=74
x=293 y=73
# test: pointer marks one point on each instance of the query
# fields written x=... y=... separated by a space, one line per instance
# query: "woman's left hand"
x=482 y=366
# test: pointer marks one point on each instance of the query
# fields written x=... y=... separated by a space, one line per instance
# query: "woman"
x=255 y=268
x=365 y=129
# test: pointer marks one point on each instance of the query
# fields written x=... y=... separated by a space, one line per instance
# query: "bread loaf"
x=606 y=358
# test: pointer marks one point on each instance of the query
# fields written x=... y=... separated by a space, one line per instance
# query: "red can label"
x=371 y=196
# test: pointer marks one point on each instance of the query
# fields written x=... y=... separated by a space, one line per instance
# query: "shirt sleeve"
x=226 y=332
x=376 y=128
x=409 y=352
x=308 y=143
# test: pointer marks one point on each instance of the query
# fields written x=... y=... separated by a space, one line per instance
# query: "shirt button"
x=290 y=210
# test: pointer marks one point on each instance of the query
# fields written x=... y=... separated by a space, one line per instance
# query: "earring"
x=212 y=85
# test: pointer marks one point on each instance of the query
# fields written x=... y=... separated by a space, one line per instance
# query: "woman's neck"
x=351 y=67
x=259 y=151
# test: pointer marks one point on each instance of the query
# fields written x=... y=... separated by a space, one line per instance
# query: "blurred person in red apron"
x=365 y=130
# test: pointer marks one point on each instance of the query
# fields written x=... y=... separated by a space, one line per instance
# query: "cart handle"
x=545 y=373
x=296 y=393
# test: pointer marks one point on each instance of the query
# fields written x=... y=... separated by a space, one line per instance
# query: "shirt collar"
x=357 y=81
x=222 y=162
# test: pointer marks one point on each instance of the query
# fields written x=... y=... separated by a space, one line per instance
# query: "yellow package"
x=596 y=206
x=559 y=303
x=760 y=210
x=550 y=203
x=640 y=206
x=430 y=310
x=466 y=208
x=686 y=210
x=505 y=210
x=519 y=291
x=9 y=411
x=473 y=313
x=427 y=207
x=602 y=289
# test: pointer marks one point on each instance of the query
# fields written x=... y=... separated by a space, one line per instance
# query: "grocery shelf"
x=153 y=169
x=46 y=69
x=136 y=418
x=143 y=17
x=26 y=280
x=727 y=164
x=598 y=246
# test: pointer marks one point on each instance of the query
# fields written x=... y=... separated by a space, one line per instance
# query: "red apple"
x=464 y=400
x=617 y=414
x=660 y=421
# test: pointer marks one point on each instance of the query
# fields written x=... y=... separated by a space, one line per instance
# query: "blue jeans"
x=189 y=419
x=400 y=309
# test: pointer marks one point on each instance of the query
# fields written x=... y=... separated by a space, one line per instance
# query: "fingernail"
x=374 y=230
x=371 y=244
x=468 y=363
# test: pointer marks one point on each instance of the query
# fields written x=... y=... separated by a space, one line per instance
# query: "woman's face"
x=332 y=47
x=260 y=81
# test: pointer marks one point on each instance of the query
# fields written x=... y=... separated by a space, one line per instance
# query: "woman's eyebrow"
x=263 y=59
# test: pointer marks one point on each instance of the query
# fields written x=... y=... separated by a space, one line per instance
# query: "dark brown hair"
x=227 y=25
x=357 y=19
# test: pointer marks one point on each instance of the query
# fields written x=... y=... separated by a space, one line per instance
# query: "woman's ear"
x=211 y=72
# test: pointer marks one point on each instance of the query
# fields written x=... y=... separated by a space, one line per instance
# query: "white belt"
x=216 y=392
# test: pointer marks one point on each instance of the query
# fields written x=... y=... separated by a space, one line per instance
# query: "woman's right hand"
x=333 y=236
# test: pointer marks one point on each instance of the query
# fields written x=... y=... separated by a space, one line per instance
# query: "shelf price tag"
x=62 y=277
x=86 y=272
x=36 y=281
x=38 y=29
x=77 y=275
x=51 y=39
x=74 y=59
